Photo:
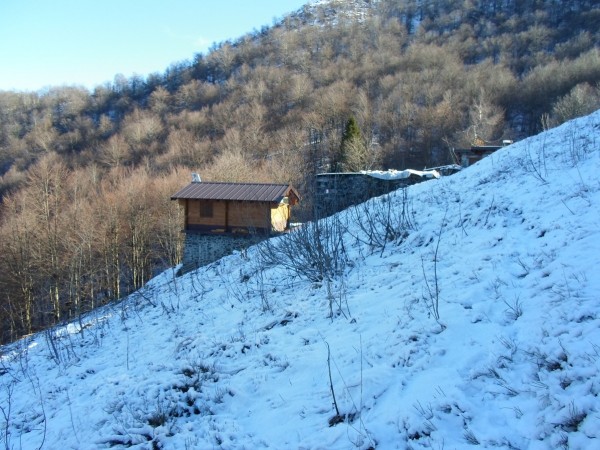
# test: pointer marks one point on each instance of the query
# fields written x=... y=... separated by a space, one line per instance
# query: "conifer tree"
x=353 y=151
x=351 y=134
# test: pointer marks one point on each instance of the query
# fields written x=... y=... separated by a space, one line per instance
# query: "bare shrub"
x=432 y=286
x=515 y=309
x=337 y=296
x=5 y=411
x=534 y=163
x=573 y=419
x=315 y=251
x=382 y=220
x=251 y=284
x=470 y=437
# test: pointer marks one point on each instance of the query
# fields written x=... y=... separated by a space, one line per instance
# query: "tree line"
x=72 y=241
x=86 y=176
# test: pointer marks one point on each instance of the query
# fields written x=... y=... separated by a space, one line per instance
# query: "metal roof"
x=249 y=192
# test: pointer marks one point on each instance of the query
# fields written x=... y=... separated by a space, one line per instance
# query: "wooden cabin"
x=236 y=208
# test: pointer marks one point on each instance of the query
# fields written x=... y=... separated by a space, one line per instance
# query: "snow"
x=393 y=174
x=400 y=174
x=505 y=353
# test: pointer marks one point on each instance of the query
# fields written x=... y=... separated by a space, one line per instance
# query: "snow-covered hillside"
x=478 y=325
x=322 y=12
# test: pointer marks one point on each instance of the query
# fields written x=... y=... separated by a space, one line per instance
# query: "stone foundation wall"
x=202 y=249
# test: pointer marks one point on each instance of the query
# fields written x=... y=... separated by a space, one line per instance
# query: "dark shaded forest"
x=86 y=176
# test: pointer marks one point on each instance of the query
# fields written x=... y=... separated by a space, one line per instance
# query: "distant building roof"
x=249 y=192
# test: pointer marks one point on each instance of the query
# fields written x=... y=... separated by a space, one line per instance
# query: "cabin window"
x=206 y=209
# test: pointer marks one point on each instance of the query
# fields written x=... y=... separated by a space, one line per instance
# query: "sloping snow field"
x=475 y=323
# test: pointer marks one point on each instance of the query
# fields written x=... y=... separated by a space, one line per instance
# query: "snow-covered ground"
x=478 y=325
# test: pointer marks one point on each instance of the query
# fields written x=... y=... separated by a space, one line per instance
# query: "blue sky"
x=87 y=42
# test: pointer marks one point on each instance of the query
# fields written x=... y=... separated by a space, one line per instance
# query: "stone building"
x=339 y=190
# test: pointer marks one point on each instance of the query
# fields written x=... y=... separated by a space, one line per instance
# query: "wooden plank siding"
x=253 y=216
x=194 y=216
x=235 y=216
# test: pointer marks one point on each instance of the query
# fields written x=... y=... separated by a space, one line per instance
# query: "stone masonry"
x=202 y=249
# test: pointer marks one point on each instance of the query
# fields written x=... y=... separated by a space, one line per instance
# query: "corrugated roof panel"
x=254 y=192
